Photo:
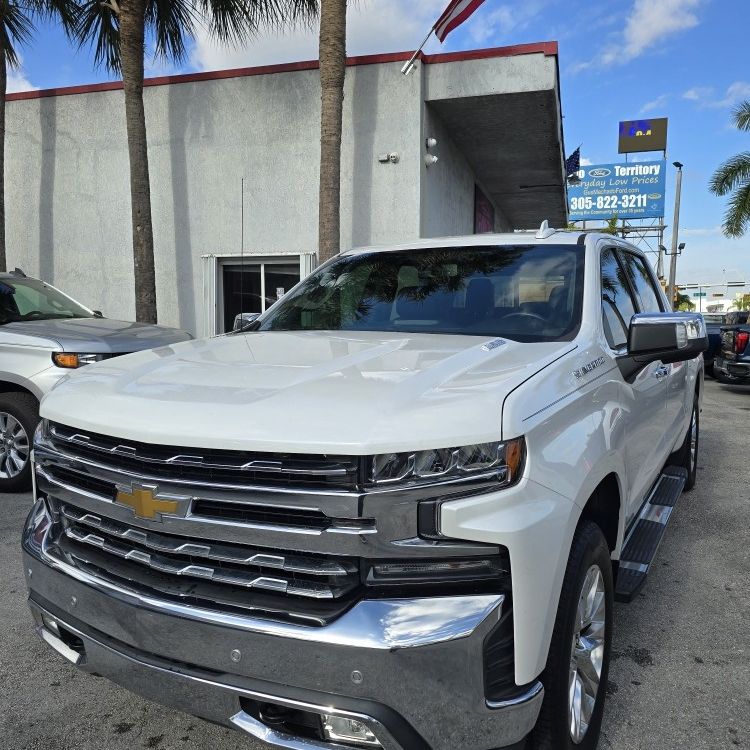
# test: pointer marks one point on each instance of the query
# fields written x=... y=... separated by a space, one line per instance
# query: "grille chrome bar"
x=208 y=550
x=166 y=565
x=339 y=470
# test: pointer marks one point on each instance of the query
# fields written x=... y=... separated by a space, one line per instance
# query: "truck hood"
x=98 y=335
x=304 y=392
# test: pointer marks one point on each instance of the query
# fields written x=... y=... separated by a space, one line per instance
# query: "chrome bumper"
x=392 y=664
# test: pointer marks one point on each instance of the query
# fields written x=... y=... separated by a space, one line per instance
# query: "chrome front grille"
x=225 y=467
x=294 y=538
x=235 y=565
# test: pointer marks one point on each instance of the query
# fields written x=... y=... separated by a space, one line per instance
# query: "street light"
x=675 y=234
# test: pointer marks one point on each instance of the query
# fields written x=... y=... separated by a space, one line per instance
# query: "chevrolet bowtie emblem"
x=145 y=504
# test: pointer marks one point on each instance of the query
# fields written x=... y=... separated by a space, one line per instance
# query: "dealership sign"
x=627 y=191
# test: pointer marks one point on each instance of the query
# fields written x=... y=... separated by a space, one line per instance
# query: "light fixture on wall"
x=430 y=143
x=392 y=158
x=430 y=159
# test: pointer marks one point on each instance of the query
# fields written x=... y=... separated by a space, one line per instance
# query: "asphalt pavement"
x=680 y=677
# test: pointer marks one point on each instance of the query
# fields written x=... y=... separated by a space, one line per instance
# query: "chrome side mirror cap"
x=243 y=320
x=668 y=337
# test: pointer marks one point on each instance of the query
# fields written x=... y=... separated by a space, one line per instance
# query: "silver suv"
x=45 y=334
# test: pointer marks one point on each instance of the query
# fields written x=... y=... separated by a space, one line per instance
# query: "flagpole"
x=407 y=68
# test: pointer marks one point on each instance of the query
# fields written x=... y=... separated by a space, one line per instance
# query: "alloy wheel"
x=14 y=446
x=587 y=653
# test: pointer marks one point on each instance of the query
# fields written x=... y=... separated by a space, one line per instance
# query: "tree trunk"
x=332 y=72
x=132 y=21
x=3 y=84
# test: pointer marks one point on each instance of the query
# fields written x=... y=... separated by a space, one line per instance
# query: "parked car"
x=44 y=334
x=732 y=362
x=394 y=513
x=714 y=323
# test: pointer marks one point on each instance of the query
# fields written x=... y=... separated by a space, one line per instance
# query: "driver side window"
x=617 y=303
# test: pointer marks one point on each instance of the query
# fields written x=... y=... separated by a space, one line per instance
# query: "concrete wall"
x=448 y=186
x=67 y=192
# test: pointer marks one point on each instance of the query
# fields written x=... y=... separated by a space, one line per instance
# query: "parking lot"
x=680 y=675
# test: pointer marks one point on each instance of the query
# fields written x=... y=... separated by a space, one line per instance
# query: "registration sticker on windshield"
x=490 y=345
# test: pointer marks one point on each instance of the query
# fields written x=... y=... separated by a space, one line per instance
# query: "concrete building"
x=494 y=113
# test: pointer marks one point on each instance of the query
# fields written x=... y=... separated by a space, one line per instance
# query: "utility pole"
x=675 y=236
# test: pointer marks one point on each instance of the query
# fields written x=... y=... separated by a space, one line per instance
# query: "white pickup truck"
x=394 y=512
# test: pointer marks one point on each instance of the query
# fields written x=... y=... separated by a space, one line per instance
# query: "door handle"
x=661 y=372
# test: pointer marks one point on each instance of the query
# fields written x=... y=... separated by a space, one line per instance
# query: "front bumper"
x=728 y=368
x=410 y=669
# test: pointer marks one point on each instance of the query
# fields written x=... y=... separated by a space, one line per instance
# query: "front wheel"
x=19 y=415
x=687 y=455
x=575 y=678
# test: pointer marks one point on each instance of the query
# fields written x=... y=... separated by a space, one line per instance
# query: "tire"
x=19 y=416
x=687 y=455
x=555 y=728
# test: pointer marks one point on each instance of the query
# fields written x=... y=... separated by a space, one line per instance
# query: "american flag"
x=453 y=16
x=573 y=163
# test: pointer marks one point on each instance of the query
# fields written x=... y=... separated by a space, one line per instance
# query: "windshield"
x=521 y=292
x=30 y=299
x=714 y=319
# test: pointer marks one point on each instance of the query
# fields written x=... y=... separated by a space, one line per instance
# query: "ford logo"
x=654 y=196
x=600 y=172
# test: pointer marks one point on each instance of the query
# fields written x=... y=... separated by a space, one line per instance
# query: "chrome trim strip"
x=194 y=460
x=203 y=572
x=62 y=648
x=209 y=549
x=639 y=567
x=530 y=694
x=264 y=733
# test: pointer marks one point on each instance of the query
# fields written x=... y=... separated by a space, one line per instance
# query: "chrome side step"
x=643 y=541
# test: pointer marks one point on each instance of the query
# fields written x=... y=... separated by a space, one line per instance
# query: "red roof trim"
x=546 y=48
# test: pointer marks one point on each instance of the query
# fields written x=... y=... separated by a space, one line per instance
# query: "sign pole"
x=675 y=236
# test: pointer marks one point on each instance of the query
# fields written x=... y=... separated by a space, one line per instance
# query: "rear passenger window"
x=617 y=304
x=642 y=282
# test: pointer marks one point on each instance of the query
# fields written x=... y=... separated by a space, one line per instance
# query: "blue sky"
x=619 y=59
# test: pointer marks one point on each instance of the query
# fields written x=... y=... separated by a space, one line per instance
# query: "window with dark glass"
x=522 y=292
x=617 y=303
x=642 y=282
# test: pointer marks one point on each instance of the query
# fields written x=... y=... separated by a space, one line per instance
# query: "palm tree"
x=16 y=29
x=117 y=30
x=733 y=176
x=332 y=73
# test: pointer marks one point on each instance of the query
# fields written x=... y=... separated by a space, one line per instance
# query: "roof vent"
x=544 y=231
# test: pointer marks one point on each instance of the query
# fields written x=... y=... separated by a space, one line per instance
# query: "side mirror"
x=666 y=337
x=243 y=320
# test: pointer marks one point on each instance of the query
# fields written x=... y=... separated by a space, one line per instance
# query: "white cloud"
x=373 y=26
x=704 y=95
x=698 y=93
x=586 y=162
x=17 y=80
x=647 y=25
x=657 y=103
x=495 y=25
x=702 y=232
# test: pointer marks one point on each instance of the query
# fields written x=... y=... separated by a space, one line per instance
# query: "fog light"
x=341 y=729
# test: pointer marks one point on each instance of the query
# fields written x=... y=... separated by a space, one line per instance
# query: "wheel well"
x=6 y=387
x=603 y=509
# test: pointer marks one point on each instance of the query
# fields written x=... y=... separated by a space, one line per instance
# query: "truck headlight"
x=71 y=360
x=503 y=459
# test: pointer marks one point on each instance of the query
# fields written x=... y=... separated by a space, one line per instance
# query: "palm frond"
x=97 y=27
x=172 y=23
x=731 y=174
x=65 y=11
x=737 y=218
x=236 y=21
x=16 y=29
x=741 y=116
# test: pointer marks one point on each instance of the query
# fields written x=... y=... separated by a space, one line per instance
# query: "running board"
x=643 y=540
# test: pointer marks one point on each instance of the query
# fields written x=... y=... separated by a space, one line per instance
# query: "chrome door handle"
x=661 y=372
